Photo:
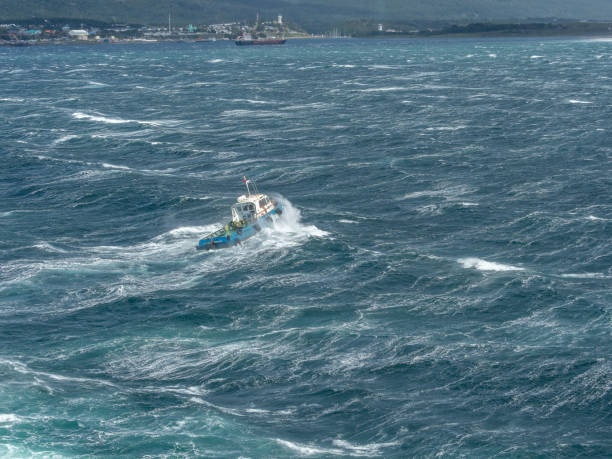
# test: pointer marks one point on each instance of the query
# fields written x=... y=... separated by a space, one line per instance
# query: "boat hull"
x=236 y=237
x=271 y=41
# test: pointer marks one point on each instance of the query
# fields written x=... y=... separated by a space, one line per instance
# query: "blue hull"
x=240 y=235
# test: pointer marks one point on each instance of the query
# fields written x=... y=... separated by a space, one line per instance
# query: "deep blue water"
x=440 y=284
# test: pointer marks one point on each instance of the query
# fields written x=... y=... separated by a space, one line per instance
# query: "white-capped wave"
x=48 y=247
x=308 y=450
x=303 y=106
x=447 y=192
x=114 y=166
x=21 y=368
x=9 y=418
x=371 y=449
x=536 y=57
x=341 y=448
x=382 y=67
x=578 y=101
x=446 y=128
x=585 y=276
x=484 y=265
x=65 y=138
x=251 y=101
x=105 y=119
x=215 y=61
x=384 y=89
x=288 y=230
x=250 y=113
x=8 y=450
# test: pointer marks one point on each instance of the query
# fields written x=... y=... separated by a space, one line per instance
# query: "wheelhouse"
x=243 y=212
x=249 y=208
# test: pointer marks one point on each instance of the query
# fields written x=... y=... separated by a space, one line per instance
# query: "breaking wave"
x=484 y=265
x=107 y=120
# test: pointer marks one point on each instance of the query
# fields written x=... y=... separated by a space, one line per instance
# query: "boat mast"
x=246 y=183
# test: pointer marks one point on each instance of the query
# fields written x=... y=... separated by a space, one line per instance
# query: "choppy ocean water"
x=441 y=283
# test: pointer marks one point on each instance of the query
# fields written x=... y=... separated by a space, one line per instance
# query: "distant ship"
x=246 y=40
x=252 y=211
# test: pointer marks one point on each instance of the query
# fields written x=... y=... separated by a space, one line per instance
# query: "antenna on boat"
x=246 y=183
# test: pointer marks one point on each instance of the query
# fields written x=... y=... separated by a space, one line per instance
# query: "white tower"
x=280 y=19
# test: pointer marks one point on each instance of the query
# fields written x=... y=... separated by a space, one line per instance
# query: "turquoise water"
x=440 y=282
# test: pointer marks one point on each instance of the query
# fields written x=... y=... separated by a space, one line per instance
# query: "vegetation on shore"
x=557 y=28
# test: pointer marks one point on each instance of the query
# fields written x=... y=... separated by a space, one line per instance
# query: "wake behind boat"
x=251 y=212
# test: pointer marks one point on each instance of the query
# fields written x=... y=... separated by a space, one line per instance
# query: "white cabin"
x=250 y=208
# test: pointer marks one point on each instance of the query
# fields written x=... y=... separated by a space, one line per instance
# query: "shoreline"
x=466 y=32
x=28 y=44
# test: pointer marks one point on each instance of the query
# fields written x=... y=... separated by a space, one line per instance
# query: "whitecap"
x=250 y=101
x=384 y=89
x=48 y=247
x=341 y=448
x=446 y=128
x=303 y=106
x=307 y=450
x=250 y=113
x=578 y=101
x=65 y=138
x=484 y=265
x=584 y=276
x=343 y=220
x=114 y=166
x=288 y=230
x=104 y=119
x=9 y=418
x=448 y=192
x=536 y=57
x=371 y=449
x=19 y=367
x=215 y=61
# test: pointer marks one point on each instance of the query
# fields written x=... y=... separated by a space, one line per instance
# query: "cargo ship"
x=247 y=40
x=250 y=214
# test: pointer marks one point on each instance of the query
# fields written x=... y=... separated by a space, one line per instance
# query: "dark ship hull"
x=264 y=41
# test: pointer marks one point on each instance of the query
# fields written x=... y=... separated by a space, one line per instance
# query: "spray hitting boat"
x=250 y=214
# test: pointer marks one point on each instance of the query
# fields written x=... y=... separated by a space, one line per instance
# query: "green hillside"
x=313 y=14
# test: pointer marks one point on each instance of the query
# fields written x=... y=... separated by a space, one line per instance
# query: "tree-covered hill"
x=315 y=15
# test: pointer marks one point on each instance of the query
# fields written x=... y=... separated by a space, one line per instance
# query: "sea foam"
x=484 y=265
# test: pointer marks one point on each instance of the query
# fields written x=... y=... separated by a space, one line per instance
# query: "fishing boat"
x=250 y=214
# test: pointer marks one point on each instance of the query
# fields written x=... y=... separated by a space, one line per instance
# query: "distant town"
x=69 y=31
x=55 y=32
